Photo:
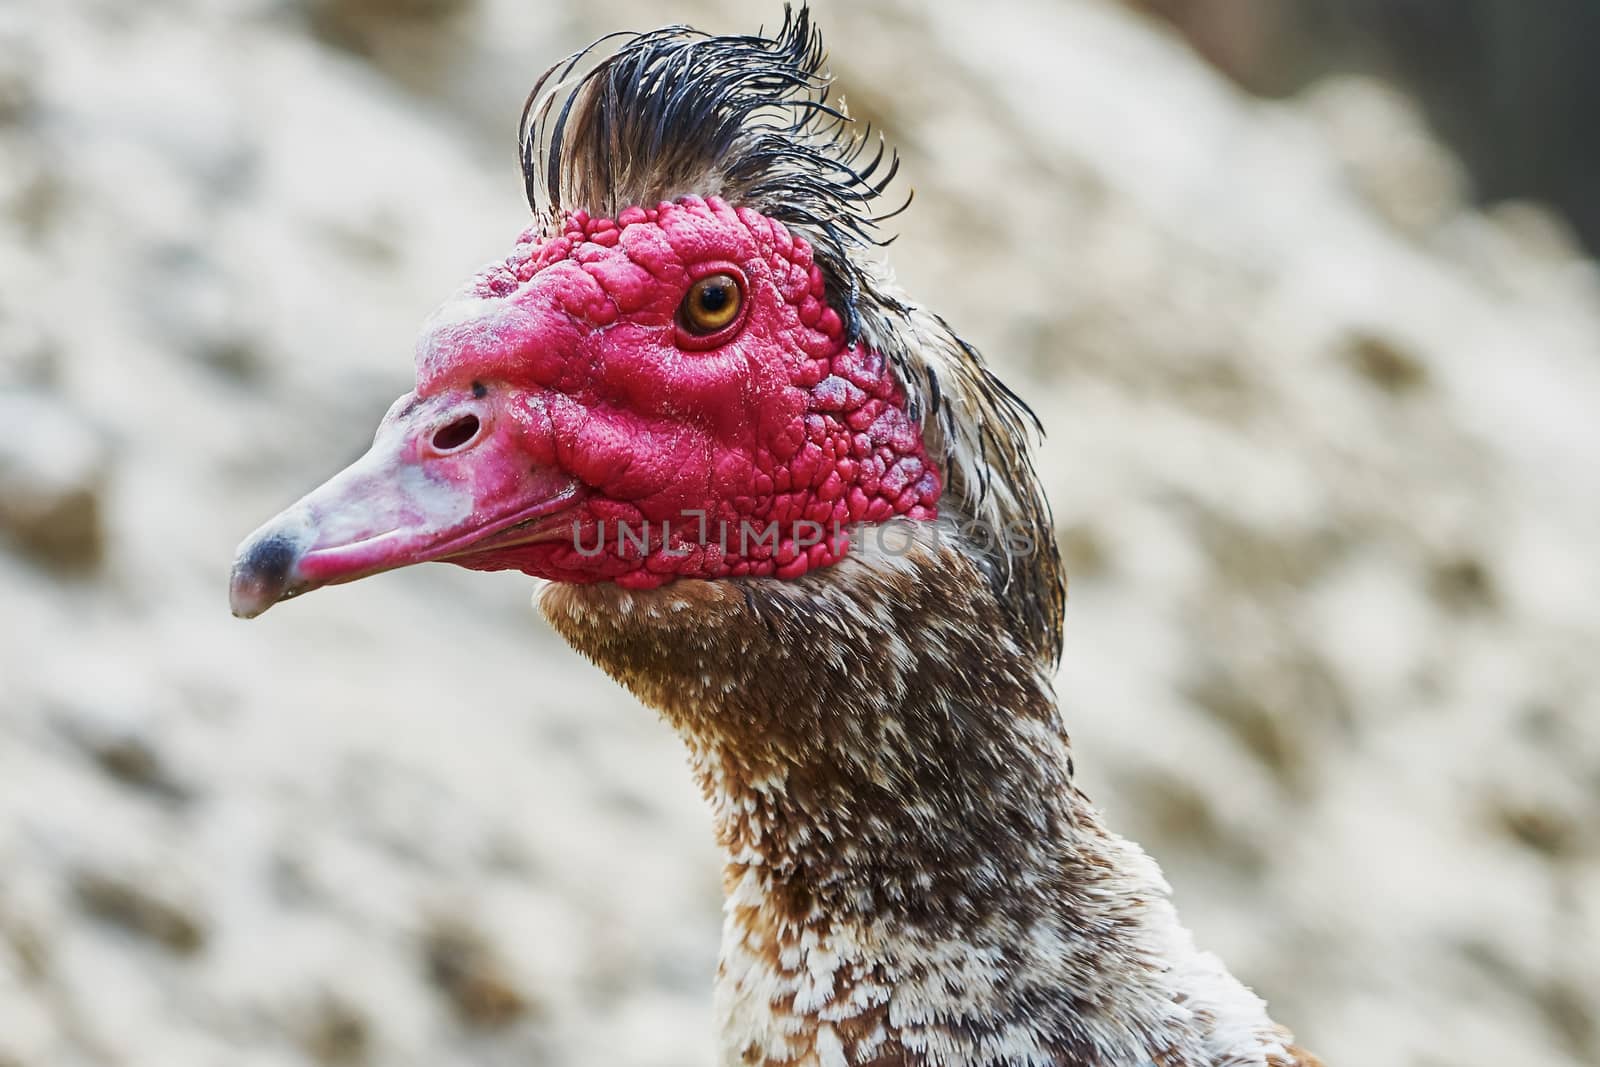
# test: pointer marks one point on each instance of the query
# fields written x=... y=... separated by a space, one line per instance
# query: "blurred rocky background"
x=1323 y=447
x=1510 y=87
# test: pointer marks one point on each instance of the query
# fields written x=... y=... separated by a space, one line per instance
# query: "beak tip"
x=261 y=574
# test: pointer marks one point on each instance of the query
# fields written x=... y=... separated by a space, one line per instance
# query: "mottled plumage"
x=912 y=877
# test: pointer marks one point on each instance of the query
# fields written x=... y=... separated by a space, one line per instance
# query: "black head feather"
x=746 y=118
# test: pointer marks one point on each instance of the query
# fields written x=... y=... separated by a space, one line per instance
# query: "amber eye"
x=710 y=304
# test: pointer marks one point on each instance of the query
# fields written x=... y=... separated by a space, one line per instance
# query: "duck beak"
x=440 y=480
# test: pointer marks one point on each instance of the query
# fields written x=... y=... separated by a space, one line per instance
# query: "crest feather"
x=676 y=112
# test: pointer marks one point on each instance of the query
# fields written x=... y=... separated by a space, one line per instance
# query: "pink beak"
x=444 y=477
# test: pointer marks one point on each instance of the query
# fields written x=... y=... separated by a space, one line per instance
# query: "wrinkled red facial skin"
x=774 y=420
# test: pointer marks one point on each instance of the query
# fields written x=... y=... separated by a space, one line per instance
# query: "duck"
x=796 y=514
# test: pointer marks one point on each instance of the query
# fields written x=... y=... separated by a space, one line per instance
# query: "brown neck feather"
x=892 y=785
x=860 y=732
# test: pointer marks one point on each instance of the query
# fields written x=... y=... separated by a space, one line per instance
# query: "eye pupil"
x=713 y=297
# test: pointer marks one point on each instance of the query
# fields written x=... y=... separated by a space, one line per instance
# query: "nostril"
x=452 y=436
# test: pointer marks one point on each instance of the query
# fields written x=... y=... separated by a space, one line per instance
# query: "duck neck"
x=911 y=875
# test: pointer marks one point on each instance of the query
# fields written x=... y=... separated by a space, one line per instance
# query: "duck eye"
x=710 y=304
